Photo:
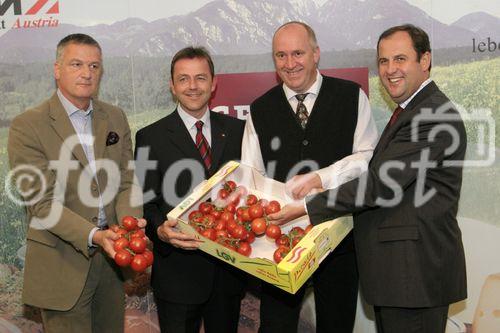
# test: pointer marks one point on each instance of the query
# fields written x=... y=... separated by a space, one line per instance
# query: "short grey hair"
x=75 y=39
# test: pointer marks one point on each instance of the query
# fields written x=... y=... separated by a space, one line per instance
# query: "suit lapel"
x=99 y=130
x=64 y=128
x=425 y=93
x=180 y=137
x=384 y=138
x=409 y=112
x=218 y=139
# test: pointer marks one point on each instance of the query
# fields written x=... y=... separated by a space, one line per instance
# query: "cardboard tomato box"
x=294 y=270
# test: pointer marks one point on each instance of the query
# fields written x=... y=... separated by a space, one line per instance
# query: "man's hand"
x=301 y=185
x=289 y=212
x=169 y=234
x=141 y=223
x=106 y=240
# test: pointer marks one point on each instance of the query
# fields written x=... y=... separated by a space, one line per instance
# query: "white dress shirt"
x=342 y=171
x=190 y=123
x=405 y=103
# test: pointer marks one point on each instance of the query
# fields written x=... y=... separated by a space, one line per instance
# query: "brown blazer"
x=57 y=254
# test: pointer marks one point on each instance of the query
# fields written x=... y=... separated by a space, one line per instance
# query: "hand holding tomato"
x=301 y=185
x=169 y=234
x=120 y=244
x=233 y=220
x=141 y=223
x=106 y=239
x=288 y=213
x=130 y=244
x=130 y=223
x=272 y=207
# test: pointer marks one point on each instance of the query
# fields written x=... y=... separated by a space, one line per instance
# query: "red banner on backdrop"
x=235 y=92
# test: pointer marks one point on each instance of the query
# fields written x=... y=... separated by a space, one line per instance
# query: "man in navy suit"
x=409 y=246
x=188 y=146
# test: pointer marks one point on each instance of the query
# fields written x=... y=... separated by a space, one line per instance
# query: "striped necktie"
x=202 y=145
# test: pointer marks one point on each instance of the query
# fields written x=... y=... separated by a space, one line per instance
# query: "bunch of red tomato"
x=235 y=218
x=287 y=242
x=131 y=247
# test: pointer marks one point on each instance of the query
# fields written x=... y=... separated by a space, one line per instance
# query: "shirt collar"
x=190 y=121
x=314 y=89
x=70 y=108
x=405 y=103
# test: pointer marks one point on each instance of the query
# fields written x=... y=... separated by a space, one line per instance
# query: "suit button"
x=305 y=142
x=94 y=219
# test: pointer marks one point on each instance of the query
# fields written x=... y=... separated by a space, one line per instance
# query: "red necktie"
x=202 y=145
x=395 y=115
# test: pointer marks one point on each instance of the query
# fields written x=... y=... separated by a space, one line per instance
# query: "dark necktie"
x=301 y=110
x=202 y=145
x=395 y=115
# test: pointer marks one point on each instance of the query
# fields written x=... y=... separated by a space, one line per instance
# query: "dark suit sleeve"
x=151 y=183
x=395 y=168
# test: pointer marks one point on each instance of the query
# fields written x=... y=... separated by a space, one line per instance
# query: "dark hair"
x=419 y=38
x=310 y=32
x=75 y=39
x=192 y=52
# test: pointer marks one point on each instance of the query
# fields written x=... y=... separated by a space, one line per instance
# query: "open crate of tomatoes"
x=229 y=211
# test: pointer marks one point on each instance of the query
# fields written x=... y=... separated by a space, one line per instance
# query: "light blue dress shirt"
x=82 y=123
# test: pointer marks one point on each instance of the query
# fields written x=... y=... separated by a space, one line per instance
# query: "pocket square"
x=112 y=138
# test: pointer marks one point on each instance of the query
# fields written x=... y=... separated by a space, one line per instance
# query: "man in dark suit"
x=408 y=243
x=312 y=132
x=68 y=271
x=187 y=146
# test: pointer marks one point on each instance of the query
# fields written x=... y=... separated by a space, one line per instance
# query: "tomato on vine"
x=129 y=223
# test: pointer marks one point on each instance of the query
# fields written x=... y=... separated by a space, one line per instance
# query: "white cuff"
x=91 y=235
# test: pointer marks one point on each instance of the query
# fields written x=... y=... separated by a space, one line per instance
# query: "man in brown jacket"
x=70 y=157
